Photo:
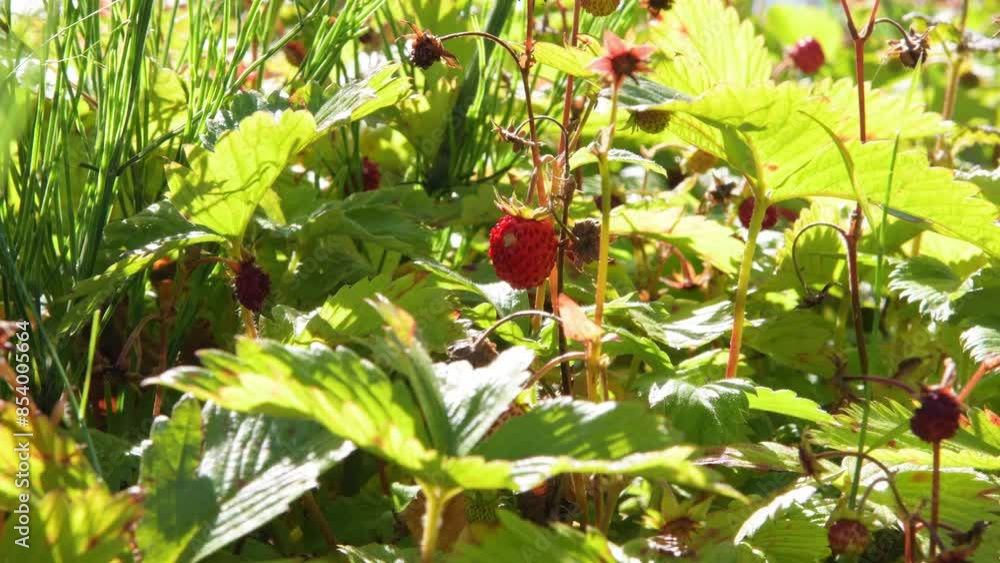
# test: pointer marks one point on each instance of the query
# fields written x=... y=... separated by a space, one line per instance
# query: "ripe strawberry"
x=599 y=7
x=370 y=175
x=746 y=212
x=252 y=285
x=652 y=120
x=938 y=416
x=523 y=250
x=848 y=536
x=807 y=55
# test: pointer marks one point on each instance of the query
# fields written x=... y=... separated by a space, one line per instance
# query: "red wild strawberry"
x=599 y=7
x=523 y=250
x=807 y=55
x=746 y=212
x=938 y=416
x=370 y=175
x=252 y=285
x=848 y=536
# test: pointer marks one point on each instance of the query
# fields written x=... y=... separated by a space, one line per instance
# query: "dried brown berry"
x=599 y=7
x=938 y=416
x=657 y=6
x=480 y=355
x=848 y=536
x=427 y=49
x=911 y=50
x=252 y=285
x=651 y=121
x=585 y=245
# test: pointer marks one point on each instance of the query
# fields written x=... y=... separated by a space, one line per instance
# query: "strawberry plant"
x=604 y=280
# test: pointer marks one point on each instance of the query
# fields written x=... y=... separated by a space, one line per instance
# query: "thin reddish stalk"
x=935 y=494
x=984 y=368
x=556 y=278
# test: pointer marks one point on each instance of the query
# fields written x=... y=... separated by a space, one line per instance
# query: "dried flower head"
x=621 y=60
x=585 y=245
x=427 y=49
x=516 y=139
x=911 y=50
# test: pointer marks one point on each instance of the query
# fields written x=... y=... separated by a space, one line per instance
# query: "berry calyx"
x=848 y=536
x=523 y=250
x=938 y=416
x=746 y=213
x=370 y=174
x=807 y=54
x=599 y=7
x=252 y=285
x=651 y=120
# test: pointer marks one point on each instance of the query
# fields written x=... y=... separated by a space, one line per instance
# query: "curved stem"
x=795 y=246
x=889 y=476
x=743 y=286
x=902 y=32
x=560 y=360
x=484 y=35
x=532 y=313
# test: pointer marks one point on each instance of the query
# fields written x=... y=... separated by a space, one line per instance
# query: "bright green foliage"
x=369 y=391
x=169 y=477
x=73 y=516
x=220 y=188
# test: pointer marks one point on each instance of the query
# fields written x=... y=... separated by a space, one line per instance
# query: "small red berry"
x=370 y=175
x=252 y=285
x=938 y=416
x=599 y=7
x=746 y=212
x=848 y=536
x=523 y=250
x=807 y=55
x=295 y=52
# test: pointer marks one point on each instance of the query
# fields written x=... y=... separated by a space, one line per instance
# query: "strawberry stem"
x=743 y=285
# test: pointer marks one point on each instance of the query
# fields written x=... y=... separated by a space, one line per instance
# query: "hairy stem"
x=743 y=286
x=433 y=510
